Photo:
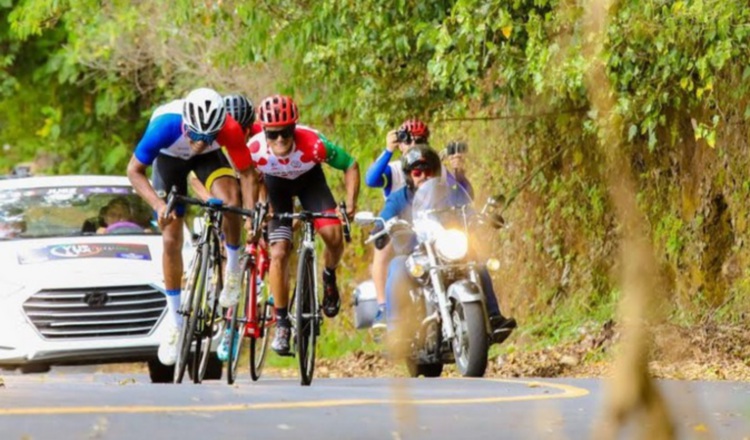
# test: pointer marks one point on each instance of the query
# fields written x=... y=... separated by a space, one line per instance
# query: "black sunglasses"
x=286 y=133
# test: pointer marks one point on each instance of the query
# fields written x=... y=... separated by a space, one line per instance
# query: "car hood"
x=82 y=260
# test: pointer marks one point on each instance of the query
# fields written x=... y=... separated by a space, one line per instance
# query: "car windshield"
x=74 y=210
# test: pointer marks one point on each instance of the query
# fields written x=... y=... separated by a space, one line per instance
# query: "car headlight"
x=452 y=245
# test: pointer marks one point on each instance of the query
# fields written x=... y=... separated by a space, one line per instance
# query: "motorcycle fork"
x=439 y=289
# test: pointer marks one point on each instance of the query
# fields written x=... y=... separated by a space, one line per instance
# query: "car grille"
x=95 y=312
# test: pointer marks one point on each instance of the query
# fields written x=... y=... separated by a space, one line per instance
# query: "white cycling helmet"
x=203 y=111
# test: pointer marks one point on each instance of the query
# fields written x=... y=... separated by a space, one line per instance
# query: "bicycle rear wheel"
x=194 y=289
x=306 y=316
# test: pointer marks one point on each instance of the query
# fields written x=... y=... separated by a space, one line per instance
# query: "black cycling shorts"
x=313 y=193
x=171 y=171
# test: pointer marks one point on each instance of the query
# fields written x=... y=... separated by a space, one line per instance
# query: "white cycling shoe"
x=230 y=294
x=168 y=348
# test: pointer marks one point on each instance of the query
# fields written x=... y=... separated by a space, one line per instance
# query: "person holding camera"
x=389 y=175
x=421 y=164
x=454 y=157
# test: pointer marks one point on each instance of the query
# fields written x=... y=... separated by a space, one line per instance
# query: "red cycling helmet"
x=278 y=111
x=416 y=128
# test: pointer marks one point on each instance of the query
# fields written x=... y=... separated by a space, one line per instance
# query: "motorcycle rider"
x=420 y=164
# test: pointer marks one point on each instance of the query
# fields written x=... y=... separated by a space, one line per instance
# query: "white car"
x=79 y=282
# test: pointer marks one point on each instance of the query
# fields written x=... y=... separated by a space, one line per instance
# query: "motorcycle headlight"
x=427 y=229
x=452 y=245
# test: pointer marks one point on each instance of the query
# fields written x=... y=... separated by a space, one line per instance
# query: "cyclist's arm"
x=198 y=187
x=161 y=132
x=232 y=138
x=379 y=173
x=249 y=187
x=338 y=158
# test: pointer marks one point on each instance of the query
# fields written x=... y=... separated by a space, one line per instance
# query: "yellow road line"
x=568 y=392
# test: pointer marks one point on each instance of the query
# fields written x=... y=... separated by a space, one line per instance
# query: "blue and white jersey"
x=165 y=135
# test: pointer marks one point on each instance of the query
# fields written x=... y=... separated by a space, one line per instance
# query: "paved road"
x=126 y=406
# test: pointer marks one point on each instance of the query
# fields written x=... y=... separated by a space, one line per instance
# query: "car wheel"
x=35 y=369
x=160 y=373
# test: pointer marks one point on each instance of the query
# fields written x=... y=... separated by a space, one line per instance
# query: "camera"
x=403 y=136
x=456 y=147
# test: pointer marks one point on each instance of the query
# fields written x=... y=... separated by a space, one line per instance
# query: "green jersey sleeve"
x=336 y=156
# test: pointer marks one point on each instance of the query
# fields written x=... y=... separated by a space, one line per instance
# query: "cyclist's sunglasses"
x=208 y=138
x=286 y=133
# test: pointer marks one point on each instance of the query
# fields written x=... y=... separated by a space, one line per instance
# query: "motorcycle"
x=443 y=296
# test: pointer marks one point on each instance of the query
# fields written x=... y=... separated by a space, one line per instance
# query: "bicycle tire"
x=194 y=290
x=210 y=316
x=306 y=316
x=237 y=322
x=259 y=345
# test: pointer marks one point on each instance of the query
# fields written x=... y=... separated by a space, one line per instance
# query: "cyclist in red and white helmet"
x=183 y=136
x=290 y=157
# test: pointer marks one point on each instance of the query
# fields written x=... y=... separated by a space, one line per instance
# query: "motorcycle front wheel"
x=471 y=343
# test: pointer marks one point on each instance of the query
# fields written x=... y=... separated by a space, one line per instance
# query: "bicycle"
x=253 y=317
x=304 y=304
x=203 y=286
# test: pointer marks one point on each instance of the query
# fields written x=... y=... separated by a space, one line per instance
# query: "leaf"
x=632 y=132
x=506 y=30
x=711 y=138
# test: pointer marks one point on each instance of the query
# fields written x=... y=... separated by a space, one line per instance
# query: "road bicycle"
x=305 y=305
x=199 y=303
x=253 y=317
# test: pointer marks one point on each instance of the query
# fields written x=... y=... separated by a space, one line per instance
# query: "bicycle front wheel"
x=211 y=324
x=194 y=292
x=306 y=316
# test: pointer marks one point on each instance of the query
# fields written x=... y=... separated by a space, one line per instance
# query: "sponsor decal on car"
x=85 y=250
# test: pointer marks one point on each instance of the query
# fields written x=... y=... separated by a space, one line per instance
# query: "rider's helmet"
x=420 y=157
x=278 y=111
x=203 y=111
x=241 y=109
x=415 y=128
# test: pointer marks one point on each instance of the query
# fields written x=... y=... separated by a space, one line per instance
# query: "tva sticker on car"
x=85 y=250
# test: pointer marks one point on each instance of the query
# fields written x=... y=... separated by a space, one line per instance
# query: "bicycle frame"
x=259 y=259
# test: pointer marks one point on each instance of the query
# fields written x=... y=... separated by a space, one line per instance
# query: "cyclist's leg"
x=314 y=195
x=280 y=238
x=169 y=171
x=217 y=175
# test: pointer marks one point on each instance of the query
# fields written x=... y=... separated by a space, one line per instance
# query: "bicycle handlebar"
x=308 y=216
x=211 y=204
